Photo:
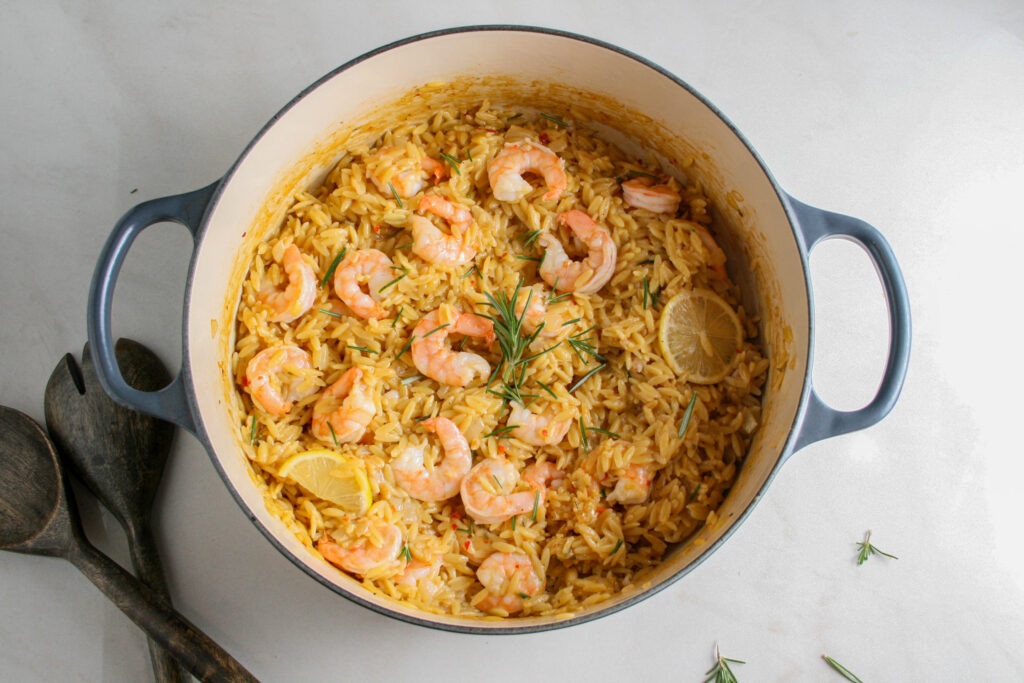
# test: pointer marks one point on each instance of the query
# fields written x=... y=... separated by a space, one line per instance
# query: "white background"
x=909 y=115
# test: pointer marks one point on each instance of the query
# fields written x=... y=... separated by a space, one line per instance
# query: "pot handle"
x=820 y=421
x=171 y=402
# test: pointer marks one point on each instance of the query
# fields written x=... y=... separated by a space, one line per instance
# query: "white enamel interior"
x=764 y=254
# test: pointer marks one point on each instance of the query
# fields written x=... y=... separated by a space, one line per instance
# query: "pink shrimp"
x=435 y=359
x=642 y=193
x=539 y=429
x=364 y=556
x=434 y=246
x=716 y=257
x=371 y=264
x=505 y=171
x=274 y=378
x=344 y=410
x=633 y=485
x=489 y=490
x=508 y=577
x=444 y=481
x=583 y=277
x=297 y=297
x=392 y=167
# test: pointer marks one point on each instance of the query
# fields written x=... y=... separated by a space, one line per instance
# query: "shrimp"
x=716 y=257
x=435 y=359
x=444 y=481
x=416 y=571
x=434 y=246
x=391 y=168
x=489 y=490
x=555 y=322
x=297 y=297
x=544 y=429
x=508 y=577
x=633 y=486
x=364 y=556
x=583 y=277
x=343 y=411
x=505 y=171
x=274 y=378
x=642 y=193
x=376 y=267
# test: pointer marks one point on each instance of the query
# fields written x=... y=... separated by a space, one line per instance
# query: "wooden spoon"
x=38 y=516
x=119 y=454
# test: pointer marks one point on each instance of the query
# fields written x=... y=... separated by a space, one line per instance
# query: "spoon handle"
x=150 y=571
x=206 y=660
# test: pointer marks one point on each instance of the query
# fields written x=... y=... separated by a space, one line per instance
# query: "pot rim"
x=552 y=623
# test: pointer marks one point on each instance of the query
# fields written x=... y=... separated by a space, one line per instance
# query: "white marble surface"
x=906 y=114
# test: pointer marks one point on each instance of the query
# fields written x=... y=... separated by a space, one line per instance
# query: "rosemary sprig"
x=720 y=672
x=397 y=198
x=330 y=313
x=552 y=118
x=846 y=673
x=867 y=550
x=363 y=349
x=406 y=553
x=687 y=415
x=587 y=376
x=580 y=345
x=333 y=266
x=474 y=268
x=453 y=162
x=508 y=328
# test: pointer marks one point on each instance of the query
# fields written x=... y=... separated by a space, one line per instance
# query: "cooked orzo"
x=449 y=361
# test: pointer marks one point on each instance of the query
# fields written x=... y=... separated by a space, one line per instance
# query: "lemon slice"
x=335 y=478
x=700 y=335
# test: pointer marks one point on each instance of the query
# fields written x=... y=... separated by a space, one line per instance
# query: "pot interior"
x=533 y=70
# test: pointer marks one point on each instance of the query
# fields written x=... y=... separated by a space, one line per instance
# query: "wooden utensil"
x=38 y=516
x=119 y=454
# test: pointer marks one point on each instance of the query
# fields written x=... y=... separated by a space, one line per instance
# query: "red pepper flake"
x=456 y=515
x=376 y=228
x=490 y=130
x=544 y=432
x=245 y=381
x=601 y=508
x=544 y=139
x=455 y=526
x=501 y=449
x=466 y=545
x=245 y=233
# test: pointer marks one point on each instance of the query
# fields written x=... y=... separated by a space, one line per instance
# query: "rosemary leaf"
x=536 y=502
x=330 y=313
x=617 y=546
x=398 y=317
x=363 y=349
x=453 y=162
x=385 y=286
x=334 y=264
x=397 y=198
x=846 y=673
x=333 y=435
x=406 y=347
x=252 y=432
x=586 y=377
x=546 y=388
x=439 y=327
x=867 y=550
x=552 y=118
x=687 y=415
x=583 y=436
x=603 y=431
x=720 y=672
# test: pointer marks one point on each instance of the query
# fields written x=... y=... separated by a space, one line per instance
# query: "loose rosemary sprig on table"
x=867 y=550
x=720 y=672
x=846 y=673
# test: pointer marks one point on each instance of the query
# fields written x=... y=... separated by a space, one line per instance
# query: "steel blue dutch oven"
x=767 y=234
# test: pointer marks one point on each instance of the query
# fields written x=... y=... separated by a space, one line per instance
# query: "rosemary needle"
x=846 y=673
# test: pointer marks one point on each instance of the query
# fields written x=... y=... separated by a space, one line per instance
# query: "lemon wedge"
x=338 y=479
x=700 y=336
